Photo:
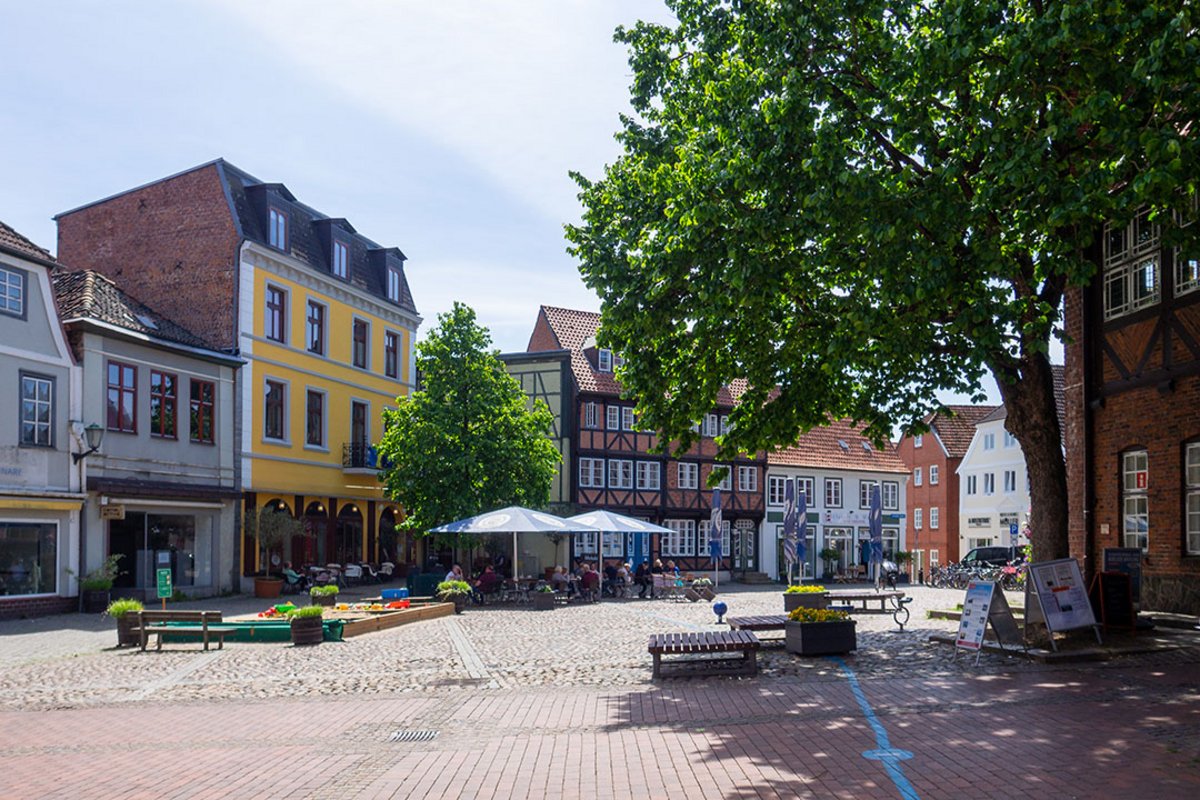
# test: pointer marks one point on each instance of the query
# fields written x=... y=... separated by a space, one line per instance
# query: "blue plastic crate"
x=395 y=594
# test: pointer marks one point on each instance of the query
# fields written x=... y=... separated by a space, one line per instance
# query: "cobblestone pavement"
x=560 y=704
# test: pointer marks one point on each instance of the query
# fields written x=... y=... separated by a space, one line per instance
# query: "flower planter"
x=460 y=602
x=707 y=593
x=543 y=601
x=308 y=630
x=820 y=638
x=126 y=625
x=805 y=600
x=692 y=594
x=268 y=587
x=328 y=600
x=95 y=600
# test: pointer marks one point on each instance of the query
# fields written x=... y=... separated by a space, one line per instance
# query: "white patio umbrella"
x=611 y=522
x=515 y=520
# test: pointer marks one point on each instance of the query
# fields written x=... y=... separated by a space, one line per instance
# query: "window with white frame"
x=627 y=418
x=395 y=282
x=917 y=477
x=747 y=479
x=681 y=541
x=989 y=441
x=891 y=496
x=726 y=482
x=612 y=545
x=989 y=483
x=724 y=424
x=37 y=410
x=919 y=440
x=1010 y=481
x=806 y=487
x=711 y=427
x=933 y=475
x=1131 y=266
x=933 y=517
x=590 y=417
x=704 y=531
x=1135 y=503
x=648 y=476
x=776 y=490
x=934 y=558
x=833 y=492
x=918 y=518
x=688 y=474
x=620 y=474
x=864 y=493
x=1191 y=476
x=972 y=484
x=1009 y=440
x=585 y=544
x=12 y=291
x=591 y=473
x=277 y=233
x=341 y=260
x=613 y=418
x=604 y=360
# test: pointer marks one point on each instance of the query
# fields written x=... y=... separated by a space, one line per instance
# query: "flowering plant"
x=805 y=588
x=817 y=615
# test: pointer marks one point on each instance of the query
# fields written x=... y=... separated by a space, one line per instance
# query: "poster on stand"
x=1062 y=596
x=976 y=607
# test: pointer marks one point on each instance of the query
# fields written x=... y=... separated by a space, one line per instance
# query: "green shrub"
x=306 y=612
x=453 y=588
x=329 y=589
x=805 y=588
x=101 y=578
x=126 y=605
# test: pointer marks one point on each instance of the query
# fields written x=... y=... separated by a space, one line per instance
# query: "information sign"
x=1129 y=561
x=165 y=590
x=973 y=623
x=112 y=511
x=1062 y=596
x=1012 y=534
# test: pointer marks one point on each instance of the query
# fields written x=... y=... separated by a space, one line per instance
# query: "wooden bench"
x=758 y=624
x=205 y=624
x=693 y=650
x=843 y=597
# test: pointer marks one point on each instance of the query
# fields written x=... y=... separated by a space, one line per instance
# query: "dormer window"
x=604 y=360
x=393 y=284
x=277 y=223
x=341 y=260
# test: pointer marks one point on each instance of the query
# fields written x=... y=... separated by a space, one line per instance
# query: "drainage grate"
x=413 y=736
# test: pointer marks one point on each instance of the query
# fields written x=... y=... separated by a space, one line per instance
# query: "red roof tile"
x=822 y=448
x=956 y=425
x=15 y=241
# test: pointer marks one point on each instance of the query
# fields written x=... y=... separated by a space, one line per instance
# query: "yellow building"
x=321 y=315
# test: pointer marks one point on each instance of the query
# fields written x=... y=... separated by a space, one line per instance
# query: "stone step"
x=756 y=577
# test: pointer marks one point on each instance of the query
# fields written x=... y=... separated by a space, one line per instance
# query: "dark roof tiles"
x=89 y=295
x=15 y=241
x=955 y=425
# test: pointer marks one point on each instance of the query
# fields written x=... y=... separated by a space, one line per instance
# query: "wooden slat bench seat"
x=758 y=624
x=205 y=624
x=692 y=651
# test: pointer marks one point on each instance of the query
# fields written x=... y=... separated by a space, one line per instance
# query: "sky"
x=446 y=129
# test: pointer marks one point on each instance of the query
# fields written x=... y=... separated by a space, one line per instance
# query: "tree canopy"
x=857 y=204
x=466 y=442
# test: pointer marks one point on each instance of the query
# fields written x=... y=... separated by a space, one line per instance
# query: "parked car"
x=992 y=556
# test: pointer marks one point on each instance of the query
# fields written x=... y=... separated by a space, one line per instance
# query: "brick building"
x=321 y=315
x=1133 y=411
x=608 y=463
x=932 y=505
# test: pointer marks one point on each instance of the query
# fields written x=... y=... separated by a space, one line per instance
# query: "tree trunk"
x=1033 y=419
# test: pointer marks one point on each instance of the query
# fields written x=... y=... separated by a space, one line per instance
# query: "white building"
x=835 y=468
x=993 y=488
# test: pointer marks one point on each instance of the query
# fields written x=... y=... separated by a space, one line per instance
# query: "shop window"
x=28 y=558
x=1135 y=504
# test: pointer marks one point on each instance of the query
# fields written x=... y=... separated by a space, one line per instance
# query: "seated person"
x=292 y=579
x=590 y=582
x=642 y=577
x=559 y=580
x=487 y=584
x=610 y=578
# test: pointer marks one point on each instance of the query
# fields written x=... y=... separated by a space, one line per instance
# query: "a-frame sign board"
x=985 y=603
x=1062 y=599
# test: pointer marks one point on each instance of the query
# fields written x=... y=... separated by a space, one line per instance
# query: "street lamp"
x=93 y=434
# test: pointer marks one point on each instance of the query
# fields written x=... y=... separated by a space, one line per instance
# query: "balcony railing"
x=362 y=456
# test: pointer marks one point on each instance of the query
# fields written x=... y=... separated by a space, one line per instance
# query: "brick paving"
x=560 y=705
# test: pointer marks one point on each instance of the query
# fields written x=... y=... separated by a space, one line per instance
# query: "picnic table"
x=847 y=597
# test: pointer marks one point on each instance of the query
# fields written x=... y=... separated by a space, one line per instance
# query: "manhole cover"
x=413 y=736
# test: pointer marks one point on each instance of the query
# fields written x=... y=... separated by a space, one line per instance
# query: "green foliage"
x=467 y=442
x=270 y=528
x=902 y=557
x=803 y=614
x=101 y=578
x=452 y=589
x=305 y=612
x=855 y=206
x=324 y=591
x=805 y=588
x=119 y=608
x=544 y=588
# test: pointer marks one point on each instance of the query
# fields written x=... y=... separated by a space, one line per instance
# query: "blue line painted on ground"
x=884 y=751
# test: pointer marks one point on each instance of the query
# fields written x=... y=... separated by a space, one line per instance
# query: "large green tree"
x=466 y=441
x=856 y=205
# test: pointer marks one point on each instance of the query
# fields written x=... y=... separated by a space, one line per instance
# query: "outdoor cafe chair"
x=353 y=573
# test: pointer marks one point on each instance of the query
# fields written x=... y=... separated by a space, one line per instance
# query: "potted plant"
x=270 y=527
x=324 y=595
x=455 y=592
x=308 y=624
x=703 y=587
x=124 y=611
x=805 y=595
x=94 y=587
x=830 y=555
x=543 y=597
x=819 y=632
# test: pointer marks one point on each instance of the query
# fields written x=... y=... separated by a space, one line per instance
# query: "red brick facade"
x=943 y=496
x=25 y=607
x=177 y=246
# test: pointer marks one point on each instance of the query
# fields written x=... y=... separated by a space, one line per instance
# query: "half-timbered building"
x=613 y=464
x=1133 y=411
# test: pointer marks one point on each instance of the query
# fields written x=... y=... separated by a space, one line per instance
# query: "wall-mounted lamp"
x=94 y=435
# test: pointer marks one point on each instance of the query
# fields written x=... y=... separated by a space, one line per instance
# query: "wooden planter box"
x=95 y=600
x=807 y=600
x=328 y=600
x=126 y=631
x=820 y=638
x=308 y=630
x=542 y=601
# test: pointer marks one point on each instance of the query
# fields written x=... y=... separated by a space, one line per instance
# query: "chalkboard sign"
x=1129 y=561
x=1112 y=599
